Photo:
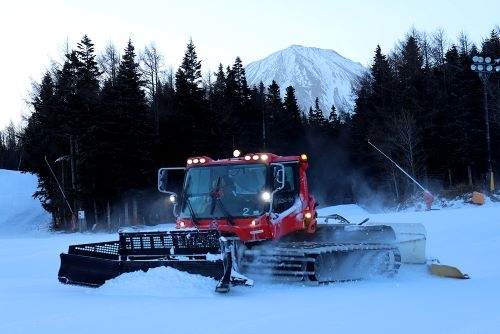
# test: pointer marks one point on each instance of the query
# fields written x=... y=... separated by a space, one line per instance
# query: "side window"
x=290 y=184
x=285 y=198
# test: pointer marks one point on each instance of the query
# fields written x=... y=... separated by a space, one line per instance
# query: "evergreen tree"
x=261 y=110
x=491 y=46
x=333 y=120
x=59 y=131
x=246 y=114
x=238 y=76
x=87 y=73
x=292 y=110
x=85 y=108
x=409 y=119
x=220 y=117
x=167 y=124
x=273 y=113
x=232 y=113
x=292 y=129
x=190 y=119
x=317 y=119
x=136 y=138
x=43 y=145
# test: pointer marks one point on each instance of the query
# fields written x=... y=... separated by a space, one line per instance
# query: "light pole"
x=484 y=67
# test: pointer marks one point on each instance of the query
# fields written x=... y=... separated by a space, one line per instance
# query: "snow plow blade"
x=447 y=271
x=410 y=238
x=196 y=252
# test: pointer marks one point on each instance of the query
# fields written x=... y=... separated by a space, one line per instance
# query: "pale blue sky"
x=34 y=32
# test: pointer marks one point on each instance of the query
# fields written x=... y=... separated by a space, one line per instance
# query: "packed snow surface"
x=165 y=300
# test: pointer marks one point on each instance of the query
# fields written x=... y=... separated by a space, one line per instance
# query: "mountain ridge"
x=313 y=72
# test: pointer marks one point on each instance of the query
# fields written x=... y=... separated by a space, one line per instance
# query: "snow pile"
x=159 y=282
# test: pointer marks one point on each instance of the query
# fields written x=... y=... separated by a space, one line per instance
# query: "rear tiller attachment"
x=196 y=252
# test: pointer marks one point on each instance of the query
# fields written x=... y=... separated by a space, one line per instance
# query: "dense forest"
x=102 y=125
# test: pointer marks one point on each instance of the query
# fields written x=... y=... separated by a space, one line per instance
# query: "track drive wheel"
x=324 y=268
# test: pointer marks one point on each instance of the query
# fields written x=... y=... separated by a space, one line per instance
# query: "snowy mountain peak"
x=313 y=72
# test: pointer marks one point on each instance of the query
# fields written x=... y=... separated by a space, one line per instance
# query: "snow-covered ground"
x=168 y=301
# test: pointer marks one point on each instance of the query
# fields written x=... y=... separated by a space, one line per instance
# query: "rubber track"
x=296 y=260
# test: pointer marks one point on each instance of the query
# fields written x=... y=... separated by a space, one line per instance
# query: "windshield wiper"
x=216 y=199
x=188 y=202
x=190 y=208
x=226 y=213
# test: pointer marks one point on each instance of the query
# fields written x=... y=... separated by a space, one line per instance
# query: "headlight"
x=173 y=199
x=266 y=196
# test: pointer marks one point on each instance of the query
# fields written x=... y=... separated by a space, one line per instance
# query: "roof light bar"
x=256 y=157
x=196 y=160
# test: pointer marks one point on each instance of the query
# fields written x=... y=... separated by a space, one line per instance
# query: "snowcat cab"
x=256 y=197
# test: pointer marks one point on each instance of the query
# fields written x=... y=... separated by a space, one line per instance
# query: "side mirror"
x=163 y=180
x=166 y=184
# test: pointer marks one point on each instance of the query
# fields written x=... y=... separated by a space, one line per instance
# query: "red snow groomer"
x=245 y=217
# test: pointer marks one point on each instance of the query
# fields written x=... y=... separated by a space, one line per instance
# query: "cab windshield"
x=224 y=191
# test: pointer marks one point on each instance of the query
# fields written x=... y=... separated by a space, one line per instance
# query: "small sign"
x=81 y=214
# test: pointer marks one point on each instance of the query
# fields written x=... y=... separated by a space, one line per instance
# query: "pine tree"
x=168 y=128
x=333 y=120
x=273 y=114
x=190 y=119
x=136 y=138
x=240 y=104
x=291 y=109
x=85 y=108
x=410 y=119
x=292 y=129
x=42 y=143
x=231 y=115
x=217 y=107
x=317 y=119
x=491 y=46
x=87 y=73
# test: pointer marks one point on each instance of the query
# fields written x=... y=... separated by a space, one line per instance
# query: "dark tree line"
x=10 y=148
x=423 y=106
x=102 y=126
x=91 y=142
